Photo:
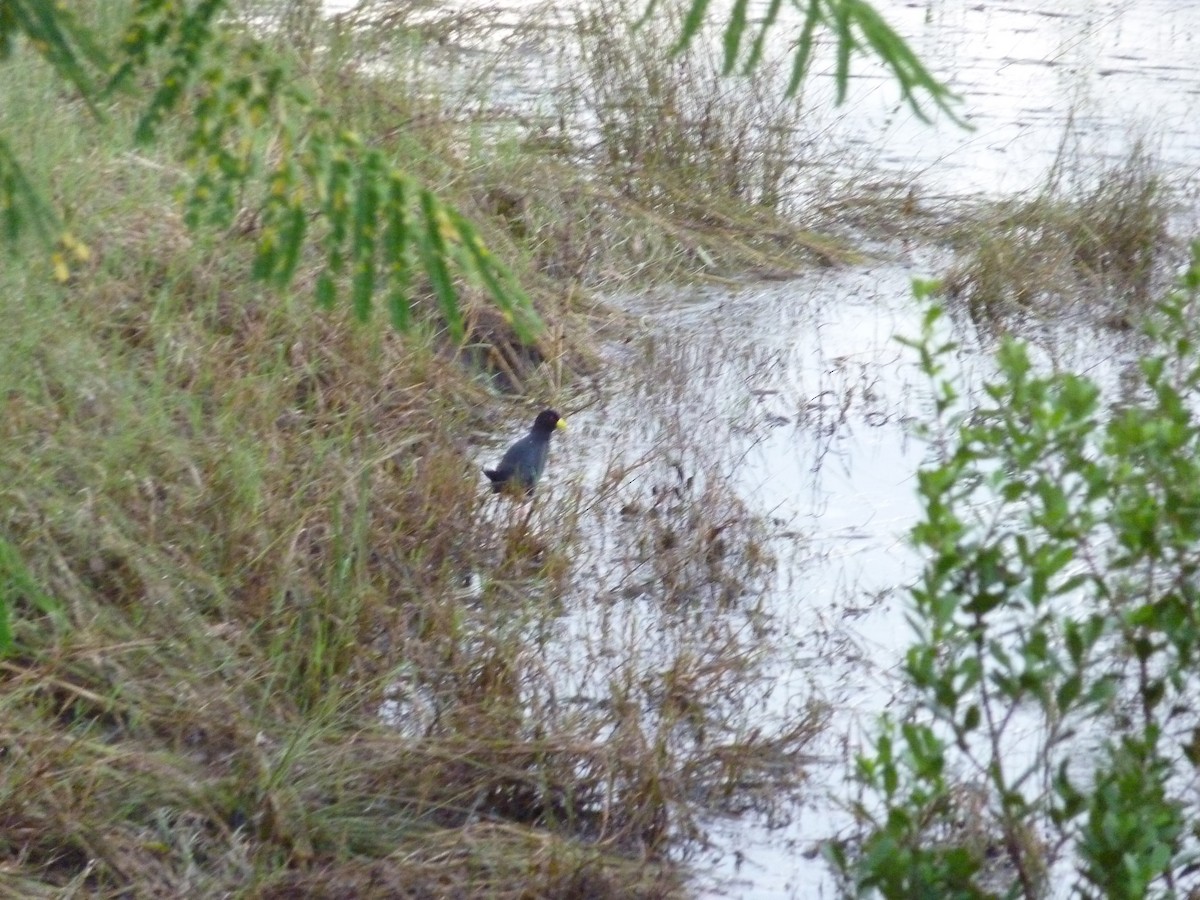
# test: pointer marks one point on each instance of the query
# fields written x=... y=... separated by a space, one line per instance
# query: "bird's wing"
x=516 y=456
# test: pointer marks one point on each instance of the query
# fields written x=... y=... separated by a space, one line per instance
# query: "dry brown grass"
x=1090 y=244
x=257 y=522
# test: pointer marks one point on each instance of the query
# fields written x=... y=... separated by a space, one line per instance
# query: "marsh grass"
x=243 y=533
x=580 y=145
x=633 y=164
x=669 y=129
x=258 y=541
x=1086 y=242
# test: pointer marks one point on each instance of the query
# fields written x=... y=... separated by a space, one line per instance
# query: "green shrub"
x=1053 y=728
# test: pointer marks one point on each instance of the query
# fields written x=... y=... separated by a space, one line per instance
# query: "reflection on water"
x=1035 y=78
x=803 y=390
x=804 y=387
x=1031 y=75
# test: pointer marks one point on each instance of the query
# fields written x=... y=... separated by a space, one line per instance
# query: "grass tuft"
x=1093 y=246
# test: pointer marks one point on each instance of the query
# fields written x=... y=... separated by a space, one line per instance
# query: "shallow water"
x=803 y=388
x=810 y=387
x=804 y=383
x=1035 y=76
x=1037 y=79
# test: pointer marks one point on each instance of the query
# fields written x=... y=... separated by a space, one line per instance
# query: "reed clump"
x=1080 y=244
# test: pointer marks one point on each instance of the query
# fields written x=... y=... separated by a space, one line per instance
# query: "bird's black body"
x=523 y=463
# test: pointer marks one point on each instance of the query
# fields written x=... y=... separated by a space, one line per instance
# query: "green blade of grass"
x=804 y=46
x=756 y=49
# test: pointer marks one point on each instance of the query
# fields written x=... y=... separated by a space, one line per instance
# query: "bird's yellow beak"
x=562 y=424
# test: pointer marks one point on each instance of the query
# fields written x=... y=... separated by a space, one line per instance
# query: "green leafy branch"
x=856 y=27
x=1057 y=639
x=258 y=140
x=54 y=33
